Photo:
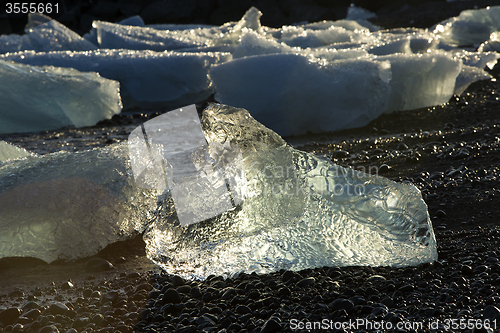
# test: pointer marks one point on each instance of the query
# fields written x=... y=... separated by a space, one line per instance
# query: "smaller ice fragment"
x=135 y=21
x=43 y=98
x=493 y=44
x=468 y=75
x=294 y=94
x=472 y=26
x=69 y=205
x=46 y=34
x=147 y=78
x=118 y=36
x=10 y=152
x=358 y=13
x=421 y=80
x=175 y=153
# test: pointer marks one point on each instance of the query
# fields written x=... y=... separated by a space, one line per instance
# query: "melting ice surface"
x=147 y=78
x=298 y=211
x=350 y=70
x=36 y=98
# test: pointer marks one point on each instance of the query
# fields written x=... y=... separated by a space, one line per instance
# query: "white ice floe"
x=10 y=152
x=425 y=66
x=147 y=78
x=44 y=98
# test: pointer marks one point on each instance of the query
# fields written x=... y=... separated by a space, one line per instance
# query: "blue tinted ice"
x=147 y=78
x=292 y=210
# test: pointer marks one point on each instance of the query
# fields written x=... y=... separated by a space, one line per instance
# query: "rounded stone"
x=56 y=308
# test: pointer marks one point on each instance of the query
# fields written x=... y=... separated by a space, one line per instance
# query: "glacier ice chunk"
x=44 y=98
x=10 y=152
x=69 y=205
x=147 y=78
x=337 y=95
x=299 y=212
x=421 y=80
x=118 y=36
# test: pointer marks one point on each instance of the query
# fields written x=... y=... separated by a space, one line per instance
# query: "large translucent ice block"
x=69 y=205
x=43 y=98
x=299 y=212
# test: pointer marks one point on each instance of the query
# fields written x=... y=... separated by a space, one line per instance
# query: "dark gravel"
x=451 y=153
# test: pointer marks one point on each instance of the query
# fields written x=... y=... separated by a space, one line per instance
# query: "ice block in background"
x=44 y=98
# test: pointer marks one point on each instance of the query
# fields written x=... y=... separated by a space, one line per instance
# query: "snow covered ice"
x=69 y=205
x=299 y=212
x=44 y=98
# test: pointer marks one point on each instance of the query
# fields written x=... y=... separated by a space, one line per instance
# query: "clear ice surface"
x=43 y=98
x=300 y=211
x=69 y=205
x=340 y=94
x=147 y=78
